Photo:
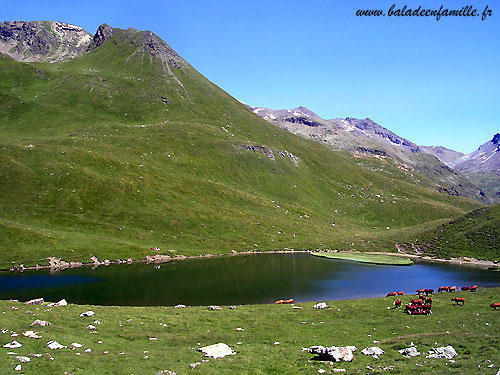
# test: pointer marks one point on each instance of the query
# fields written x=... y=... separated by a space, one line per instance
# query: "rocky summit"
x=42 y=40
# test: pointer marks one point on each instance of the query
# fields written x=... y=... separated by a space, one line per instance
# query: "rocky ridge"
x=44 y=41
x=365 y=137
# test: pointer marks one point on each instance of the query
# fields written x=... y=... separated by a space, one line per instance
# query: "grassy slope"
x=368 y=258
x=114 y=170
x=476 y=234
x=472 y=330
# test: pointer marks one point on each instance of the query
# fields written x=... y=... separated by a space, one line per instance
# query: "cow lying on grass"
x=282 y=301
x=469 y=288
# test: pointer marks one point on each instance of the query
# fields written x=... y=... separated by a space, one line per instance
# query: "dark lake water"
x=236 y=280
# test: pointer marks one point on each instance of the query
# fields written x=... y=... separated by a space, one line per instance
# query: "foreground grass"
x=126 y=334
x=368 y=258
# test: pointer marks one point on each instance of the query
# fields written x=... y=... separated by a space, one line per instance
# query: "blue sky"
x=433 y=82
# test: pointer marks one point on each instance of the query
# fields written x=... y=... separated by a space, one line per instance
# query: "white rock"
x=41 y=323
x=23 y=359
x=219 y=350
x=13 y=345
x=91 y=327
x=373 y=351
x=60 y=303
x=320 y=305
x=338 y=370
x=447 y=352
x=87 y=313
x=239 y=329
x=409 y=352
x=180 y=306
x=88 y=350
x=18 y=368
x=32 y=335
x=36 y=301
x=76 y=345
x=194 y=365
x=55 y=345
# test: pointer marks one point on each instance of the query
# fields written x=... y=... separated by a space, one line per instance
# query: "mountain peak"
x=496 y=139
x=103 y=33
x=42 y=40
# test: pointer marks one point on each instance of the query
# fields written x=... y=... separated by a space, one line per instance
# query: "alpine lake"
x=232 y=280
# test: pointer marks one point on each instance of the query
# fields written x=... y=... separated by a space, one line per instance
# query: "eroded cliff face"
x=42 y=40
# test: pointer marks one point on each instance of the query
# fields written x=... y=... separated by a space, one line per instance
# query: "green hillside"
x=476 y=234
x=120 y=150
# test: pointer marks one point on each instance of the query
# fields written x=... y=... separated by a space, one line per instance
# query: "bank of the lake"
x=269 y=339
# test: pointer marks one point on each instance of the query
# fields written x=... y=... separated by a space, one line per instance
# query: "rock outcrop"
x=42 y=40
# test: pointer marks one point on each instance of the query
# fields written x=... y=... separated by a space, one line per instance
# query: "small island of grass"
x=368 y=258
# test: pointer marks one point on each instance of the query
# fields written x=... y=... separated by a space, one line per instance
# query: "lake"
x=245 y=279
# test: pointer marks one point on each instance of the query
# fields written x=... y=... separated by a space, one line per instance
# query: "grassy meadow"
x=367 y=258
x=146 y=340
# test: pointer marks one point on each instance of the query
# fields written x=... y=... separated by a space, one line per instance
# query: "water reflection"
x=236 y=280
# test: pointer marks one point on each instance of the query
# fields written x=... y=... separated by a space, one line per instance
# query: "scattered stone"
x=36 y=355
x=76 y=345
x=219 y=350
x=97 y=322
x=338 y=370
x=165 y=372
x=91 y=327
x=214 y=308
x=153 y=338
x=31 y=334
x=41 y=323
x=54 y=345
x=194 y=365
x=180 y=306
x=321 y=371
x=232 y=307
x=88 y=350
x=409 y=352
x=36 y=301
x=60 y=303
x=276 y=343
x=374 y=351
x=23 y=359
x=447 y=352
x=11 y=353
x=334 y=353
x=14 y=308
x=297 y=307
x=18 y=368
x=239 y=329
x=87 y=313
x=320 y=305
x=13 y=345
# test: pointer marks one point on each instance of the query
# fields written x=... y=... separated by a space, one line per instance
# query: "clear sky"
x=433 y=82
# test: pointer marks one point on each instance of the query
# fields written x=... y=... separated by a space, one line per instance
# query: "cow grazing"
x=400 y=293
x=458 y=300
x=495 y=305
x=427 y=300
x=279 y=302
x=469 y=288
x=397 y=303
x=452 y=289
x=428 y=291
x=443 y=289
x=420 y=291
x=391 y=294
x=416 y=302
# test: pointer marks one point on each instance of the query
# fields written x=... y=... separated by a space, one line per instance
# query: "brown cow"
x=458 y=300
x=452 y=289
x=443 y=289
x=416 y=301
x=420 y=291
x=494 y=305
x=400 y=293
x=428 y=291
x=397 y=303
x=391 y=294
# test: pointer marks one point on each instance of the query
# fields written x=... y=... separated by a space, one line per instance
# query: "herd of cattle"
x=423 y=304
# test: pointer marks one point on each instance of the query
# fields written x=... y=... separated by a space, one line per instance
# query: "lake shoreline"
x=57 y=264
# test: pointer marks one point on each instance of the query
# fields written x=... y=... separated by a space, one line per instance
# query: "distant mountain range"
x=454 y=172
